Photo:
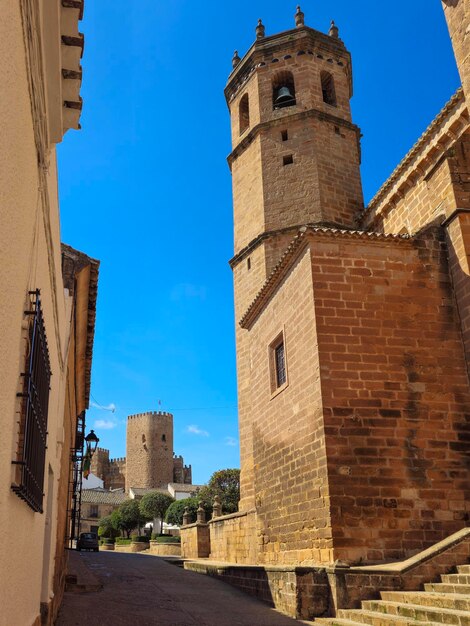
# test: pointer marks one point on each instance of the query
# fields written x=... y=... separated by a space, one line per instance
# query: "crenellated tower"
x=149 y=458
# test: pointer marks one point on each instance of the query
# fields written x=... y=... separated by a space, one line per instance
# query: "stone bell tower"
x=295 y=161
x=296 y=153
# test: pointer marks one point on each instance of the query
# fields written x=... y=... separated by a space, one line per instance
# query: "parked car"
x=88 y=541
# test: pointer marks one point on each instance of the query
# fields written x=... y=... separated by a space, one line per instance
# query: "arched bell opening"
x=283 y=90
x=244 y=114
x=328 y=88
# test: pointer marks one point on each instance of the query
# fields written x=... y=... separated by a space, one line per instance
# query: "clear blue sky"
x=145 y=188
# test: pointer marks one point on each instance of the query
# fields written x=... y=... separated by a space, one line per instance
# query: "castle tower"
x=149 y=458
x=295 y=161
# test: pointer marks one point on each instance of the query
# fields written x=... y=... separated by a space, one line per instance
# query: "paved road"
x=145 y=591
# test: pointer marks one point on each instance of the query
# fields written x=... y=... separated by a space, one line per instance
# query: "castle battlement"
x=121 y=459
x=150 y=414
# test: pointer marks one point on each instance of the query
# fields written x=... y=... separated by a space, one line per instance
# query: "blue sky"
x=145 y=188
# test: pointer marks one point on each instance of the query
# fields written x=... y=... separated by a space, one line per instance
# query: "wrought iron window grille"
x=33 y=424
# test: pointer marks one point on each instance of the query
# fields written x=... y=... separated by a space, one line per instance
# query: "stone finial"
x=201 y=514
x=334 y=30
x=216 y=507
x=186 y=517
x=260 y=30
x=235 y=59
x=299 y=17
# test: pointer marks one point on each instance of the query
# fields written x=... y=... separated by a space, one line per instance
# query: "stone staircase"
x=447 y=602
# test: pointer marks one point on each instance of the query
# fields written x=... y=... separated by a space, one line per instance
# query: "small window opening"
x=283 y=90
x=248 y=263
x=284 y=135
x=244 y=114
x=277 y=364
x=280 y=364
x=288 y=159
x=163 y=437
x=337 y=131
x=328 y=88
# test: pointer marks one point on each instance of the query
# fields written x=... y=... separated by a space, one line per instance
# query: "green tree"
x=128 y=516
x=107 y=528
x=226 y=485
x=155 y=504
x=174 y=514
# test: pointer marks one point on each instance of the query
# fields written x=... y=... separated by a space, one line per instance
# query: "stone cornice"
x=294 y=250
x=301 y=115
x=304 y=38
x=444 y=130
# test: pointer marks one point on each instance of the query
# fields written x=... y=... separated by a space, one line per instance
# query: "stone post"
x=201 y=514
x=186 y=517
x=216 y=507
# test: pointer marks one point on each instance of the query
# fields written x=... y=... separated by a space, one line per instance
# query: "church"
x=353 y=322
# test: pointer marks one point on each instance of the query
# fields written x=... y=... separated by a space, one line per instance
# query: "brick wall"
x=195 y=541
x=234 y=538
x=289 y=475
x=395 y=395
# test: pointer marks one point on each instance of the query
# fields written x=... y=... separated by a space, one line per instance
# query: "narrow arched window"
x=283 y=90
x=328 y=88
x=244 y=114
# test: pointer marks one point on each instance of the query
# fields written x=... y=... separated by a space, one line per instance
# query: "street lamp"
x=91 y=443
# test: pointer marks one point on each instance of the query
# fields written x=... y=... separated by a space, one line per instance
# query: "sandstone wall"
x=290 y=479
x=234 y=538
x=395 y=394
x=149 y=445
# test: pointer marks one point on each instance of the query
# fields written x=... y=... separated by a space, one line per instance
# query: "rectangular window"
x=280 y=362
x=284 y=135
x=33 y=423
x=288 y=160
x=94 y=510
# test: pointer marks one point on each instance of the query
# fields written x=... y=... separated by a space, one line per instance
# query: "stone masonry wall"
x=234 y=538
x=149 y=446
x=195 y=541
x=289 y=457
x=395 y=394
x=116 y=477
x=458 y=21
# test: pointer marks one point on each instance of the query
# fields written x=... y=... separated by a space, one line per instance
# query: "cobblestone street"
x=145 y=590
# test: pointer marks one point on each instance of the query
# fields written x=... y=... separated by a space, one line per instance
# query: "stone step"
x=463 y=569
x=456 y=579
x=373 y=618
x=455 y=601
x=447 y=588
x=418 y=612
x=335 y=621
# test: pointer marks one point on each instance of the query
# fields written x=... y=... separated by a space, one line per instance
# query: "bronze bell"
x=284 y=97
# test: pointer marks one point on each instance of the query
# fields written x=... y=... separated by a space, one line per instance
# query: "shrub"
x=107 y=540
x=122 y=541
x=174 y=514
x=139 y=538
x=154 y=505
x=168 y=539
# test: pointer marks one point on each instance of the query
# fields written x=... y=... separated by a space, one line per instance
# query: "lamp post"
x=81 y=460
x=91 y=443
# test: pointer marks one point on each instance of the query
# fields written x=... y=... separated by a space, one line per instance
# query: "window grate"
x=279 y=358
x=33 y=427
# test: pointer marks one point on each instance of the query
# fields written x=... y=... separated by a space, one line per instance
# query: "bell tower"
x=296 y=153
x=295 y=161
